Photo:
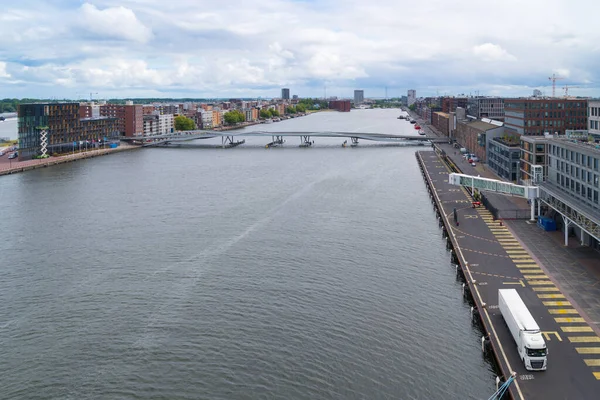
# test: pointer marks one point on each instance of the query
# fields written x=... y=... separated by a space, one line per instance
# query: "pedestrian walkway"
x=574 y=269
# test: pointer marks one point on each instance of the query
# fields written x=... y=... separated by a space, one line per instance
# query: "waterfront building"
x=340 y=105
x=571 y=187
x=503 y=154
x=411 y=97
x=207 y=119
x=158 y=124
x=534 y=116
x=63 y=125
x=130 y=121
x=449 y=104
x=533 y=153
x=594 y=117
x=441 y=121
x=285 y=94
x=474 y=135
x=486 y=107
x=359 y=97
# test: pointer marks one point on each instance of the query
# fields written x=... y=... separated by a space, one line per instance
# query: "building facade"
x=441 y=121
x=359 y=96
x=65 y=128
x=449 y=104
x=158 y=124
x=503 y=154
x=130 y=121
x=474 y=136
x=411 y=97
x=534 y=116
x=594 y=117
x=533 y=152
x=285 y=94
x=340 y=105
x=486 y=107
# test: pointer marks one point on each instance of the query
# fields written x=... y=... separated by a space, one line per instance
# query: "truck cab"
x=533 y=350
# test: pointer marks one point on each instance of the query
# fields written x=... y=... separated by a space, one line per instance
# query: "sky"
x=239 y=48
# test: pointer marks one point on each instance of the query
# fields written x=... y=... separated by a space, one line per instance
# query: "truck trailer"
x=525 y=331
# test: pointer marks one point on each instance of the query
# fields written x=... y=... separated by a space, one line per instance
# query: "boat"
x=407 y=118
x=2 y=118
x=412 y=121
x=417 y=127
x=401 y=117
x=421 y=132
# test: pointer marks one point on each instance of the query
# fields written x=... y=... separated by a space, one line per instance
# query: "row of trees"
x=300 y=108
x=233 y=117
x=267 y=113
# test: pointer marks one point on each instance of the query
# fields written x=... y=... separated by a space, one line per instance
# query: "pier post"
x=532 y=201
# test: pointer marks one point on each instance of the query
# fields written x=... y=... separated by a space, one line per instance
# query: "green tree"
x=290 y=110
x=183 y=123
x=233 y=117
x=301 y=108
x=265 y=113
x=274 y=113
x=412 y=107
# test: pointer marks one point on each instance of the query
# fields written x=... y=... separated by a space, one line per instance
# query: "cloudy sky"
x=242 y=48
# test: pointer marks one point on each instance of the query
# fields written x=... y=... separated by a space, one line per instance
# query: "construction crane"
x=554 y=78
x=567 y=87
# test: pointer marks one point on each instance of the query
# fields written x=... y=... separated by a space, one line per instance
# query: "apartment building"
x=534 y=152
x=64 y=127
x=411 y=97
x=594 y=117
x=158 y=124
x=503 y=154
x=449 y=104
x=130 y=121
x=359 y=97
x=486 y=107
x=534 y=116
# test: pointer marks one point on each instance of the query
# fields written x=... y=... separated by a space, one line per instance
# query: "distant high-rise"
x=412 y=97
x=285 y=94
x=359 y=96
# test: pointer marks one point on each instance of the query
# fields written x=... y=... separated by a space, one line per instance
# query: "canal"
x=243 y=273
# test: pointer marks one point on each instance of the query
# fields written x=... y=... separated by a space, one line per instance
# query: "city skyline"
x=123 y=49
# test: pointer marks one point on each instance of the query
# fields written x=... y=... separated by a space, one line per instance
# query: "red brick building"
x=340 y=105
x=441 y=121
x=534 y=116
x=130 y=117
x=449 y=104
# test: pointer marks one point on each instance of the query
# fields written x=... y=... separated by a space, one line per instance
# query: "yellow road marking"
x=597 y=375
x=541 y=276
x=576 y=329
x=527 y=265
x=556 y=303
x=551 y=296
x=593 y=362
x=540 y=283
x=562 y=311
x=569 y=320
x=520 y=256
x=584 y=339
x=511 y=247
x=507 y=240
x=588 y=350
x=532 y=270
x=546 y=289
x=511 y=251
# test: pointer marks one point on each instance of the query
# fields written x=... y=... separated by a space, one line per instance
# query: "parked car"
x=13 y=155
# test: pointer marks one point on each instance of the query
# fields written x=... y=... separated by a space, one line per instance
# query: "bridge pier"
x=354 y=141
x=305 y=141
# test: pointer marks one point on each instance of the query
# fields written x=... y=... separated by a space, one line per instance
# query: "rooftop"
x=480 y=125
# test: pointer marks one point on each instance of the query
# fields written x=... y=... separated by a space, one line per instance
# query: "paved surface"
x=11 y=166
x=575 y=269
x=493 y=258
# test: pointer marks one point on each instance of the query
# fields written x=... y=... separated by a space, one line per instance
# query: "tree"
x=290 y=110
x=265 y=113
x=274 y=112
x=233 y=117
x=301 y=108
x=183 y=123
x=412 y=107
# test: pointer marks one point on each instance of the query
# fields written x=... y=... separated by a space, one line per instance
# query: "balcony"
x=510 y=141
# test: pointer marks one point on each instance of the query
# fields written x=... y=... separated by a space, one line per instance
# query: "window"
x=596 y=196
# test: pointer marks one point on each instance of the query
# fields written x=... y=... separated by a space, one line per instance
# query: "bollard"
x=497 y=383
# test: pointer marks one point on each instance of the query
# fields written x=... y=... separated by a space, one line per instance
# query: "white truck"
x=526 y=332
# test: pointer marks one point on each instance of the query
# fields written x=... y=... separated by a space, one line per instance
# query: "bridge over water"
x=231 y=139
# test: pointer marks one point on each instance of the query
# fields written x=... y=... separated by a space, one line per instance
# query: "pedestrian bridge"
x=230 y=139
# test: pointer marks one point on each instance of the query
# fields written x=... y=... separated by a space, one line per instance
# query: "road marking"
x=548 y=333
x=592 y=362
x=540 y=283
x=551 y=296
x=520 y=256
x=506 y=240
x=597 y=375
x=531 y=271
x=541 y=276
x=563 y=311
x=576 y=329
x=546 y=289
x=569 y=320
x=588 y=350
x=556 y=303
x=527 y=265
x=471 y=216
x=584 y=339
x=510 y=251
x=515 y=283
x=525 y=260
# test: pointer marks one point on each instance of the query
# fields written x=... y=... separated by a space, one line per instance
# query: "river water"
x=245 y=273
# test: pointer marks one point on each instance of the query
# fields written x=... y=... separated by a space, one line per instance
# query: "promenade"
x=8 y=166
x=492 y=257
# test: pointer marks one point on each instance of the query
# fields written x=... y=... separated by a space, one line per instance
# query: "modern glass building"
x=503 y=155
x=64 y=127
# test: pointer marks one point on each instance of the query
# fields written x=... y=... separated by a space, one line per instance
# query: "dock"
x=488 y=257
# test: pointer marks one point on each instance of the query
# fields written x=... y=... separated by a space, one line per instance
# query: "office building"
x=475 y=135
x=359 y=97
x=285 y=94
x=572 y=186
x=449 y=104
x=534 y=116
x=64 y=127
x=533 y=153
x=130 y=120
x=486 y=107
x=594 y=117
x=412 y=97
x=503 y=154
x=340 y=105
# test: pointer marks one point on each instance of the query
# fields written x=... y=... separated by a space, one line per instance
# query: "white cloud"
x=114 y=22
x=492 y=52
x=182 y=47
x=3 y=73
